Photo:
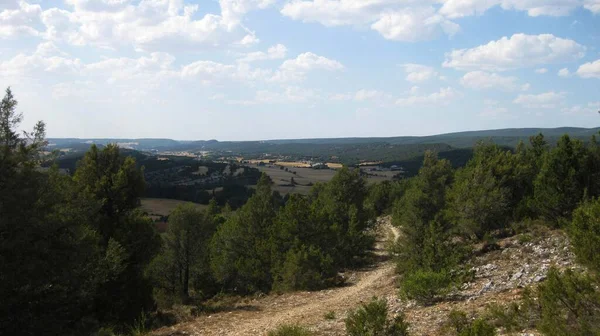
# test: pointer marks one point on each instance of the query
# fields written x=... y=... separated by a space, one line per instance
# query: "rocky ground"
x=499 y=277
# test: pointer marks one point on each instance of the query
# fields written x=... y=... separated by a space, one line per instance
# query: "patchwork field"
x=304 y=178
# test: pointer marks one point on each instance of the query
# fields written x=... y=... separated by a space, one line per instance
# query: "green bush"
x=479 y=327
x=459 y=324
x=569 y=304
x=512 y=317
x=305 y=268
x=371 y=319
x=585 y=233
x=425 y=286
x=290 y=330
x=330 y=315
x=457 y=321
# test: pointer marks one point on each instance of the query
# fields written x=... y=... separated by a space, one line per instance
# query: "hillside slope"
x=499 y=277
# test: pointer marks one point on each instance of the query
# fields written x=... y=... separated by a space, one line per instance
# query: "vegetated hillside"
x=503 y=137
x=498 y=277
x=403 y=151
x=183 y=178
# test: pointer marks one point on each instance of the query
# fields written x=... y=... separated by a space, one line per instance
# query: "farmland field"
x=162 y=206
x=306 y=177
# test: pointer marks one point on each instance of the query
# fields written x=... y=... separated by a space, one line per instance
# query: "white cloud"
x=364 y=95
x=480 y=80
x=335 y=12
x=589 y=109
x=206 y=69
x=564 y=72
x=150 y=25
x=592 y=5
x=19 y=19
x=518 y=51
x=543 y=7
x=248 y=40
x=46 y=59
x=414 y=24
x=275 y=52
x=98 y=5
x=417 y=73
x=341 y=96
x=443 y=97
x=541 y=71
x=295 y=69
x=544 y=100
x=589 y=70
x=309 y=61
x=399 y=20
x=462 y=8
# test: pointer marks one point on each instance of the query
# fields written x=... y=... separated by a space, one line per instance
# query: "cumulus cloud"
x=480 y=80
x=462 y=8
x=19 y=19
x=541 y=71
x=335 y=12
x=518 y=51
x=295 y=69
x=46 y=59
x=564 y=72
x=412 y=20
x=416 y=73
x=443 y=97
x=151 y=25
x=405 y=20
x=544 y=100
x=589 y=109
x=589 y=70
x=592 y=5
x=275 y=52
x=542 y=8
x=414 y=24
x=98 y=5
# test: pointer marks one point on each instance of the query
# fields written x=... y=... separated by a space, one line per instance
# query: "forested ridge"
x=78 y=257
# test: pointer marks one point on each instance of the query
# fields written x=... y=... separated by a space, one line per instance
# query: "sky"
x=278 y=69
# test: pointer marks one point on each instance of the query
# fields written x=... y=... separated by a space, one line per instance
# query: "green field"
x=306 y=177
x=156 y=207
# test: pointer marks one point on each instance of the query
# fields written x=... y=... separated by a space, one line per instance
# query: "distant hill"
x=504 y=137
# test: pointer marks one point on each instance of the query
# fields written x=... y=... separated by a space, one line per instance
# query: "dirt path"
x=258 y=316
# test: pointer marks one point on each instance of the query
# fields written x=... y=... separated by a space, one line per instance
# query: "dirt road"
x=259 y=316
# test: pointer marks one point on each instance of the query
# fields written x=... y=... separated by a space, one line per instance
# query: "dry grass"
x=334 y=165
x=298 y=164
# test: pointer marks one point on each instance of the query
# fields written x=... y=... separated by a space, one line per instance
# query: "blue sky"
x=266 y=69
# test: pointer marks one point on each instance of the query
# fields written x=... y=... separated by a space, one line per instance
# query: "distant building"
x=319 y=165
